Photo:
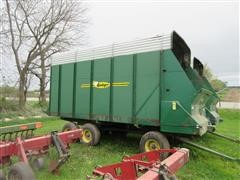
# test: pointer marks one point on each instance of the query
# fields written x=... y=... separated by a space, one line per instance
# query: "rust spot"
x=23 y=127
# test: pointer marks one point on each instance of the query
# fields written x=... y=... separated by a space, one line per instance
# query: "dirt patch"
x=232 y=95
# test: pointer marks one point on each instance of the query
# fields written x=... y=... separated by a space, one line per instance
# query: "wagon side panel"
x=54 y=91
x=82 y=93
x=66 y=90
x=122 y=89
x=147 y=88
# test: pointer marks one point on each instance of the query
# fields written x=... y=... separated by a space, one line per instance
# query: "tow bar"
x=187 y=141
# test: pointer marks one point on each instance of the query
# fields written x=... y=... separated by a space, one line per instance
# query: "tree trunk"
x=42 y=97
x=43 y=82
x=22 y=96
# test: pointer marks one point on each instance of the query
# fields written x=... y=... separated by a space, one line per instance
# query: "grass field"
x=202 y=165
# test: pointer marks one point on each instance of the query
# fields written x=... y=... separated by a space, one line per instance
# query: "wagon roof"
x=159 y=42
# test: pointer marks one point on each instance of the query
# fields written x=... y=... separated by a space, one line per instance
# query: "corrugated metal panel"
x=137 y=46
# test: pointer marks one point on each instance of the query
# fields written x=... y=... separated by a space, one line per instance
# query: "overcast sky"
x=211 y=29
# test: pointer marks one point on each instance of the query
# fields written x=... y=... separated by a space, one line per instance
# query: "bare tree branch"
x=39 y=29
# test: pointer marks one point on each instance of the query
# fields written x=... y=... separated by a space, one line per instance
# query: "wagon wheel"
x=91 y=134
x=154 y=140
x=21 y=171
x=69 y=126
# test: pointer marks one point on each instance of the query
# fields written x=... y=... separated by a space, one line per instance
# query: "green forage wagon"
x=145 y=85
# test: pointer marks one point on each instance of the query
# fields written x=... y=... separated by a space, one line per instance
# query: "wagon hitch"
x=186 y=141
x=63 y=153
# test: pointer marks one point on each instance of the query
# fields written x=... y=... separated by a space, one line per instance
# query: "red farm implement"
x=26 y=149
x=145 y=166
x=10 y=133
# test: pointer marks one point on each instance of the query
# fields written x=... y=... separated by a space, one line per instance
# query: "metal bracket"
x=63 y=153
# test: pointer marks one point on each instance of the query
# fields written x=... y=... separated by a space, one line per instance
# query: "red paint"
x=23 y=148
x=145 y=166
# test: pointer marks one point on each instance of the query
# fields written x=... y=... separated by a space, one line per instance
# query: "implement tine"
x=4 y=137
x=32 y=133
x=16 y=135
x=27 y=134
x=22 y=132
x=10 y=136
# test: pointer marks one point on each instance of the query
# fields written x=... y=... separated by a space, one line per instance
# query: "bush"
x=7 y=91
x=8 y=105
x=218 y=84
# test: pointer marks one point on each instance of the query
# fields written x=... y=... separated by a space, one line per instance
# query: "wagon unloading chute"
x=211 y=104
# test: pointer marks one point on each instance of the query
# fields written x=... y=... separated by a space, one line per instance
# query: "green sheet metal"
x=151 y=89
x=54 y=90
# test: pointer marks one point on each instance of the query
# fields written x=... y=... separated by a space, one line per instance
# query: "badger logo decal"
x=100 y=85
x=103 y=85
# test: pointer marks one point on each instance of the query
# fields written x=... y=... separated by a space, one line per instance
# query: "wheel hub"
x=151 y=145
x=87 y=136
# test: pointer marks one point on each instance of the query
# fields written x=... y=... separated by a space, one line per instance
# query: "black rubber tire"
x=96 y=135
x=157 y=136
x=2 y=175
x=21 y=171
x=69 y=126
x=38 y=164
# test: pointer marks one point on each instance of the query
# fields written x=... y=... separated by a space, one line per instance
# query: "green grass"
x=202 y=165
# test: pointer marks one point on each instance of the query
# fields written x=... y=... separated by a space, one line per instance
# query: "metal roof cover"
x=161 y=42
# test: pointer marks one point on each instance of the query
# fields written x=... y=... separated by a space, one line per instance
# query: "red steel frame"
x=35 y=145
x=147 y=164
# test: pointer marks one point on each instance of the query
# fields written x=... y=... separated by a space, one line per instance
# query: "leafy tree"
x=216 y=83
